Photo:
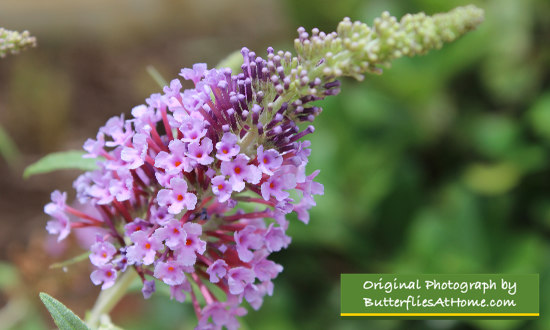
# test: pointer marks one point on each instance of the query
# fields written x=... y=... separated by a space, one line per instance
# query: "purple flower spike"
x=164 y=201
x=227 y=148
x=105 y=274
x=177 y=198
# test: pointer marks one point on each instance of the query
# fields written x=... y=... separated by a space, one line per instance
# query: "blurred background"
x=440 y=165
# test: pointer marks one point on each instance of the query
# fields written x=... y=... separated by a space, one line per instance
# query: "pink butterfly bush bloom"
x=172 y=181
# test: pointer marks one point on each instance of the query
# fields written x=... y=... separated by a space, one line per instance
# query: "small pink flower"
x=105 y=274
x=193 y=129
x=135 y=155
x=221 y=188
x=175 y=161
x=238 y=278
x=102 y=252
x=200 y=152
x=194 y=74
x=239 y=171
x=144 y=249
x=173 y=233
x=246 y=240
x=187 y=253
x=227 y=148
x=169 y=272
x=217 y=270
x=177 y=198
x=269 y=160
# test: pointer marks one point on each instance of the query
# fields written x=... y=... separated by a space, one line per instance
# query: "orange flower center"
x=179 y=198
x=188 y=242
x=238 y=170
x=178 y=163
x=147 y=245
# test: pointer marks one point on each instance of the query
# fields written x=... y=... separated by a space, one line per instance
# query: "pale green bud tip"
x=357 y=48
x=12 y=42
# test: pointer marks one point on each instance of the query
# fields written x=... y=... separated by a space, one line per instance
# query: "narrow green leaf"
x=8 y=149
x=63 y=317
x=157 y=77
x=71 y=261
x=65 y=160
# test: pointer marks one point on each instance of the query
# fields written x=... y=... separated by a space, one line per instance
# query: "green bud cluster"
x=12 y=42
x=356 y=48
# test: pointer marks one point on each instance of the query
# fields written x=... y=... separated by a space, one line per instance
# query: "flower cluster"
x=13 y=41
x=194 y=189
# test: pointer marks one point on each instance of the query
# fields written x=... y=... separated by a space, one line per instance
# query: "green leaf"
x=157 y=77
x=65 y=160
x=232 y=61
x=8 y=149
x=71 y=261
x=63 y=317
x=8 y=275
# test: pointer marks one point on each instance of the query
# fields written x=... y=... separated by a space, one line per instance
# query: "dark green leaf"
x=63 y=317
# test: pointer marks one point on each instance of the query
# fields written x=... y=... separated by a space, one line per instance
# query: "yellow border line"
x=439 y=314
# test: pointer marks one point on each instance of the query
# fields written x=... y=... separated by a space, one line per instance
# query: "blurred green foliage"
x=440 y=165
